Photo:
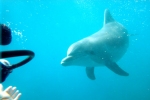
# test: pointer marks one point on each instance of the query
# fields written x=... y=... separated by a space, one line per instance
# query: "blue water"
x=49 y=27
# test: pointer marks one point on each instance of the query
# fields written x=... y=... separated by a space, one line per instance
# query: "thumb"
x=1 y=87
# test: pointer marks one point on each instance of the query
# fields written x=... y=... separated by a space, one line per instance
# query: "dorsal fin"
x=107 y=17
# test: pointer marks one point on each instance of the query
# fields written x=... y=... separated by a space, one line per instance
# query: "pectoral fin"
x=115 y=68
x=90 y=72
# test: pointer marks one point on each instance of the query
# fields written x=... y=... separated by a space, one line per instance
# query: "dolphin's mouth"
x=67 y=61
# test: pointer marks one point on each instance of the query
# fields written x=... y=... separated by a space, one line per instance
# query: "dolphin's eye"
x=92 y=52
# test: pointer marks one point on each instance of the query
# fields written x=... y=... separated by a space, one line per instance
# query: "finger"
x=12 y=91
x=15 y=94
x=18 y=96
x=1 y=87
x=8 y=89
x=5 y=98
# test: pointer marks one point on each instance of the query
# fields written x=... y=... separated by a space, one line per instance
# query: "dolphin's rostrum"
x=104 y=48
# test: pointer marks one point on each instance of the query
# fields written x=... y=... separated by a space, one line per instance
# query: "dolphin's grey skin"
x=104 y=48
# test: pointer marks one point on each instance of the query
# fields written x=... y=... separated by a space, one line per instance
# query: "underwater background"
x=49 y=27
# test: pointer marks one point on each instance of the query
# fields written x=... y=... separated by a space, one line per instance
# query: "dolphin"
x=103 y=48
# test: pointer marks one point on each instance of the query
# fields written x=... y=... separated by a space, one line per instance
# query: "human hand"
x=9 y=93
